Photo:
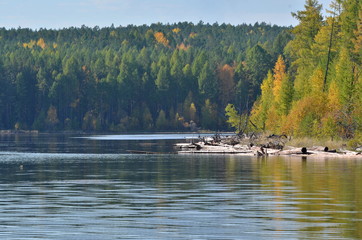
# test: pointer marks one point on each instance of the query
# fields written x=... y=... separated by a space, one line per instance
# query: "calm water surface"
x=64 y=187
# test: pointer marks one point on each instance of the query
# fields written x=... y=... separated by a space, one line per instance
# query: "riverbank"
x=11 y=132
x=271 y=146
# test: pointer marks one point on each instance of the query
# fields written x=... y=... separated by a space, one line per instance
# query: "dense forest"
x=315 y=86
x=301 y=81
x=133 y=78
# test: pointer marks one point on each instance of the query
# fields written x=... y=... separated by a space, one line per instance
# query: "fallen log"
x=198 y=146
x=294 y=151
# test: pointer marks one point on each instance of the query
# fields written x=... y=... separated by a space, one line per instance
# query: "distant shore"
x=10 y=132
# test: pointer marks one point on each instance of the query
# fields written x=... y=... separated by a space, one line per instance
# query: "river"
x=56 y=186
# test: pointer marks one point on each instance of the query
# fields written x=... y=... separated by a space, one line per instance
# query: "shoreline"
x=231 y=146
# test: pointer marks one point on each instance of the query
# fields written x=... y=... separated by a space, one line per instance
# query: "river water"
x=66 y=187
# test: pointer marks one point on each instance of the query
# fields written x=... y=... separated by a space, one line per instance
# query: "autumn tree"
x=160 y=38
x=279 y=76
x=299 y=49
x=260 y=111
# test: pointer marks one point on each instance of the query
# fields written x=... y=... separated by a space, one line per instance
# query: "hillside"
x=133 y=78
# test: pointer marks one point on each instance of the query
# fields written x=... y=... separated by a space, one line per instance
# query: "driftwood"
x=274 y=146
x=263 y=152
x=198 y=146
x=295 y=151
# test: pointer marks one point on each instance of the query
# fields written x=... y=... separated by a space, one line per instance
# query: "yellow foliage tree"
x=358 y=34
x=183 y=47
x=160 y=38
x=176 y=30
x=333 y=97
x=345 y=77
x=277 y=103
x=30 y=44
x=41 y=43
x=193 y=35
x=273 y=120
x=317 y=81
x=113 y=34
x=193 y=112
x=261 y=107
x=279 y=75
x=305 y=116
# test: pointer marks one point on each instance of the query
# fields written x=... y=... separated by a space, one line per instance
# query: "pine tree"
x=209 y=115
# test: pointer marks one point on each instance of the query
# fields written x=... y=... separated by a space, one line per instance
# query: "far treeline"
x=134 y=78
x=315 y=86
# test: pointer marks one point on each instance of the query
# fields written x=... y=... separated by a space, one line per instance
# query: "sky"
x=57 y=14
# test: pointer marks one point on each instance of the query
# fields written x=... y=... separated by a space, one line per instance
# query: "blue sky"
x=66 y=13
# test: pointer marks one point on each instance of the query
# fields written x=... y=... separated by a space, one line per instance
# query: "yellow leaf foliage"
x=113 y=34
x=279 y=75
x=30 y=44
x=193 y=35
x=183 y=47
x=273 y=120
x=160 y=38
x=317 y=81
x=193 y=112
x=311 y=107
x=329 y=126
x=358 y=34
x=41 y=43
x=176 y=30
x=333 y=97
x=259 y=113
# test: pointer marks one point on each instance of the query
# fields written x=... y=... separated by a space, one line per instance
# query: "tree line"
x=133 y=78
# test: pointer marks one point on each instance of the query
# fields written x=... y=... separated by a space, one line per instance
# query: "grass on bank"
x=310 y=142
x=351 y=144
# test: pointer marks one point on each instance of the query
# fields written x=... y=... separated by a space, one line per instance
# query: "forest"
x=315 y=86
x=175 y=77
x=299 y=81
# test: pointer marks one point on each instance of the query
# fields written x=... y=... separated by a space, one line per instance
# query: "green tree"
x=163 y=80
x=209 y=118
x=258 y=63
x=345 y=77
x=161 y=122
x=207 y=82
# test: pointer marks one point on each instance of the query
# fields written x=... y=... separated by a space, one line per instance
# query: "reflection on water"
x=64 y=143
x=120 y=196
x=143 y=137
